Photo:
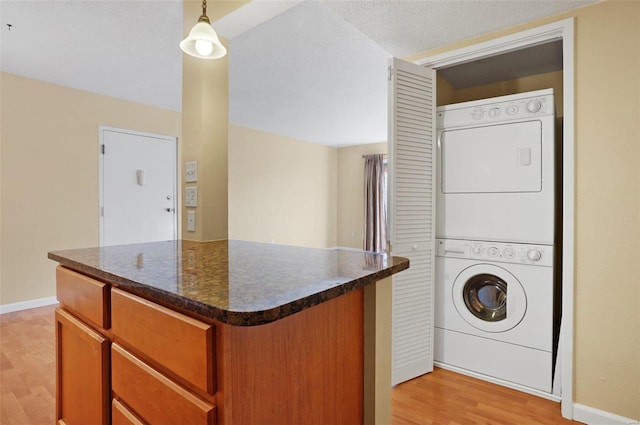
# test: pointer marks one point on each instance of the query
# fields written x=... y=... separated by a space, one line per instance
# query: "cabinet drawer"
x=183 y=345
x=87 y=297
x=120 y=415
x=153 y=396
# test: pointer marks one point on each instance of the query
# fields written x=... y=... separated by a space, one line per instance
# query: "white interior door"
x=138 y=187
x=411 y=215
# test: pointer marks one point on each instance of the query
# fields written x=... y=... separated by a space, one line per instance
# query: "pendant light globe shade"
x=202 y=42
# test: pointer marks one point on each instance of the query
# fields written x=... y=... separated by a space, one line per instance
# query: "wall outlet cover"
x=191 y=221
x=191 y=196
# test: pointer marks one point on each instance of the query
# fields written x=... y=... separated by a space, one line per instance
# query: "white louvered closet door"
x=411 y=215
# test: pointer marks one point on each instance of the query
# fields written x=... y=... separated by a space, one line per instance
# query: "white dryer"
x=495 y=162
x=494 y=310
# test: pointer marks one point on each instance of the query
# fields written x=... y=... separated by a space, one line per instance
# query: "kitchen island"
x=225 y=332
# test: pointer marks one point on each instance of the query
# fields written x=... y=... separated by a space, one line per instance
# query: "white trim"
x=508 y=43
x=591 y=416
x=176 y=187
x=346 y=248
x=568 y=216
x=26 y=305
x=563 y=30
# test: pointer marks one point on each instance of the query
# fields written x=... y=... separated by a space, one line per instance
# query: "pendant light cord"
x=204 y=17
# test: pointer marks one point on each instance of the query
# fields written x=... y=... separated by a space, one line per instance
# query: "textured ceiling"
x=295 y=75
x=407 y=27
x=124 y=49
x=318 y=70
x=313 y=70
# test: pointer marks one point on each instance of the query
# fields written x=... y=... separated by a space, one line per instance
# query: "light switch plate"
x=191 y=195
x=191 y=172
x=191 y=221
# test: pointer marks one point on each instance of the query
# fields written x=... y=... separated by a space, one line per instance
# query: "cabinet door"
x=82 y=373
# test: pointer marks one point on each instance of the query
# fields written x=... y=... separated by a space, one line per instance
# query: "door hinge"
x=390 y=72
x=101 y=211
x=102 y=149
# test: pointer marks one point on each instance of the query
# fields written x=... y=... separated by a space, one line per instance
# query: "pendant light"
x=202 y=41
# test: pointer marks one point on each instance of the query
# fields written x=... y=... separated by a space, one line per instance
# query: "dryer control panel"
x=499 y=109
x=501 y=252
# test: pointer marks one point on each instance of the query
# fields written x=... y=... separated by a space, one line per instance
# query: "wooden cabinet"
x=154 y=397
x=120 y=415
x=82 y=350
x=124 y=360
x=82 y=375
x=181 y=345
x=306 y=368
x=85 y=297
x=179 y=361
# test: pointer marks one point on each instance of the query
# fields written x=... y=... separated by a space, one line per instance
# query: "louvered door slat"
x=411 y=197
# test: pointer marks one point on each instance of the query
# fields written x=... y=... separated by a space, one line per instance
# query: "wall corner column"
x=377 y=352
x=205 y=100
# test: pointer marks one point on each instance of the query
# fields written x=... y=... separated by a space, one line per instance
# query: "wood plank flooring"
x=27 y=367
x=27 y=386
x=448 y=398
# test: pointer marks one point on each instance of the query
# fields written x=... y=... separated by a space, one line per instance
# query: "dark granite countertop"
x=234 y=282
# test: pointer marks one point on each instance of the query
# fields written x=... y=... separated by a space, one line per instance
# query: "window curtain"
x=375 y=214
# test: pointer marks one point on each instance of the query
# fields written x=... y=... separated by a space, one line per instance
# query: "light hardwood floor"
x=448 y=398
x=27 y=386
x=27 y=367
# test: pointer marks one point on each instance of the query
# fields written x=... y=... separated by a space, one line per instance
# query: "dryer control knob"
x=477 y=250
x=534 y=106
x=509 y=253
x=493 y=251
x=534 y=255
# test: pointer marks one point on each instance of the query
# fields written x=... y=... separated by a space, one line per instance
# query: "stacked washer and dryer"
x=495 y=230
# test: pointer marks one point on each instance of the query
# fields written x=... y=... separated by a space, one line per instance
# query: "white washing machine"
x=495 y=161
x=494 y=310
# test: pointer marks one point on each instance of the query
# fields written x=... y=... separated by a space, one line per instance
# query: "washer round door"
x=489 y=298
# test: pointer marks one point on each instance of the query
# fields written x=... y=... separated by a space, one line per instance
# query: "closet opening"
x=530 y=60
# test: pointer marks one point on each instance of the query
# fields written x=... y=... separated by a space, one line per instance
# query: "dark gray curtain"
x=375 y=214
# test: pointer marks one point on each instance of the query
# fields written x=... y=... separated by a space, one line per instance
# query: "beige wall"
x=293 y=192
x=49 y=175
x=281 y=190
x=607 y=200
x=607 y=360
x=351 y=193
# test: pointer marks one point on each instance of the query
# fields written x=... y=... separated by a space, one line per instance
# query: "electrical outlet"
x=191 y=195
x=191 y=172
x=191 y=221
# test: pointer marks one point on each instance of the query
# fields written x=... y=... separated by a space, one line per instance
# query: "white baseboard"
x=591 y=416
x=25 y=305
x=346 y=248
